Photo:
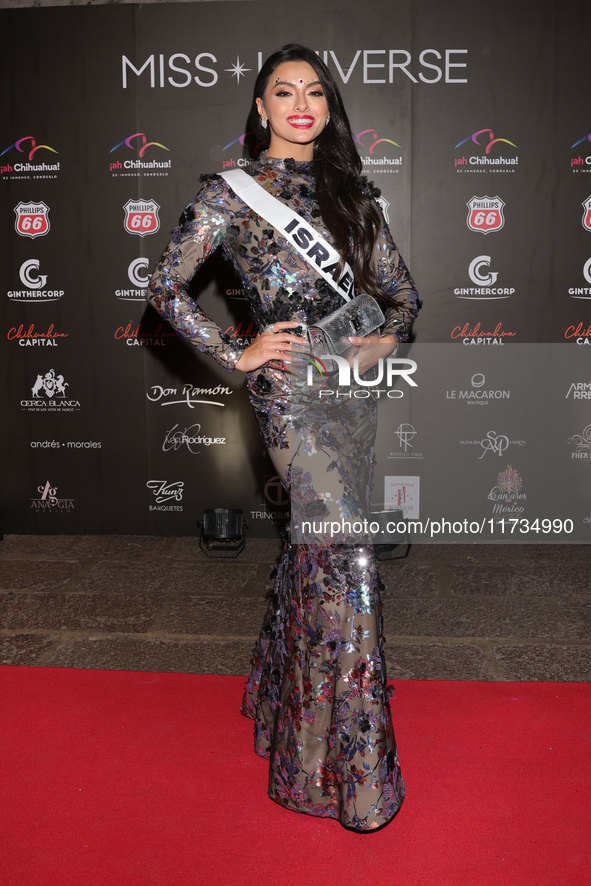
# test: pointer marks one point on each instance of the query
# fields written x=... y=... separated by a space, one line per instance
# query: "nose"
x=301 y=103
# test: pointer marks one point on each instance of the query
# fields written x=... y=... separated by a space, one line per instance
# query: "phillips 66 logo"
x=485 y=214
x=141 y=217
x=32 y=219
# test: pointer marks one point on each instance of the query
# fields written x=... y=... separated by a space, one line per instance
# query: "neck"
x=280 y=151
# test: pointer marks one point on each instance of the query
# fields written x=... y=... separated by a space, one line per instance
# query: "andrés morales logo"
x=134 y=142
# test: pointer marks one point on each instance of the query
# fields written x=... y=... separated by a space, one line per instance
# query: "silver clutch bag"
x=359 y=317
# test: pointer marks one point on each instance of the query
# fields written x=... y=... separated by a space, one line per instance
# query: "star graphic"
x=238 y=70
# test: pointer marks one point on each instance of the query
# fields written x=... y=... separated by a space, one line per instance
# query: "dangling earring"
x=327 y=120
x=264 y=122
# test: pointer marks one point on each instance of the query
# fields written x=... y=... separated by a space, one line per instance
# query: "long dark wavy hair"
x=350 y=215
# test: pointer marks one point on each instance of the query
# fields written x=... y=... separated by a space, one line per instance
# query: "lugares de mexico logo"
x=139 y=142
x=489 y=153
x=580 y=163
x=11 y=166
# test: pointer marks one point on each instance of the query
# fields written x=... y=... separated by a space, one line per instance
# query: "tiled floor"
x=460 y=612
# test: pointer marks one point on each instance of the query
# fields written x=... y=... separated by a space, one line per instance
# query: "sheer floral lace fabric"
x=318 y=692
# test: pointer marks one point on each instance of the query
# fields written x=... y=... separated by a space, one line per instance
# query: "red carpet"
x=112 y=778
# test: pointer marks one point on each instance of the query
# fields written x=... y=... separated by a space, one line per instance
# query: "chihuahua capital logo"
x=375 y=140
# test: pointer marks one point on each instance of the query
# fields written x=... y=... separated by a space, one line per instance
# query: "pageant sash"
x=312 y=247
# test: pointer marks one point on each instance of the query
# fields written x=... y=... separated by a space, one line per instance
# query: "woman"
x=317 y=692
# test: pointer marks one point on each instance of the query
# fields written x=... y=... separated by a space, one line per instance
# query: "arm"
x=395 y=281
x=200 y=230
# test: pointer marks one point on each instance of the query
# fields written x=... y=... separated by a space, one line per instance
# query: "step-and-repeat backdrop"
x=474 y=120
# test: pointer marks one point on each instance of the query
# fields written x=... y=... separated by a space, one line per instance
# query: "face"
x=296 y=109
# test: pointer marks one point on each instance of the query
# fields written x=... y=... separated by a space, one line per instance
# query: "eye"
x=317 y=93
x=282 y=93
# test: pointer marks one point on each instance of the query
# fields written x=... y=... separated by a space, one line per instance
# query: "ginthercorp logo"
x=165 y=492
x=489 y=153
x=579 y=390
x=583 y=291
x=139 y=142
x=484 y=279
x=485 y=214
x=582 y=443
x=27 y=146
x=507 y=493
x=477 y=394
x=48 y=394
x=587 y=214
x=32 y=219
x=580 y=163
x=387 y=371
x=138 y=274
x=49 y=502
x=34 y=283
x=141 y=217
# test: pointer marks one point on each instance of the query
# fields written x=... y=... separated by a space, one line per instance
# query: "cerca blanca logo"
x=48 y=394
x=166 y=492
x=477 y=394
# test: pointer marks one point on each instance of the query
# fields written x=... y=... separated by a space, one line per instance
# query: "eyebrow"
x=295 y=83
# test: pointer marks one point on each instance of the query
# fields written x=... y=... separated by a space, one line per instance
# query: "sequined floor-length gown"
x=317 y=692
